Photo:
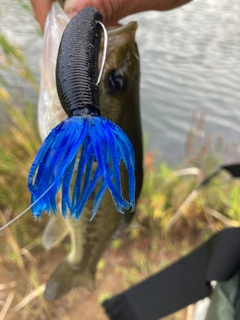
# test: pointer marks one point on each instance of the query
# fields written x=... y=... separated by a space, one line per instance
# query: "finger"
x=41 y=9
x=72 y=7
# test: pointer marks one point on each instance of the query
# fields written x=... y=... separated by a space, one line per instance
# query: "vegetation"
x=153 y=240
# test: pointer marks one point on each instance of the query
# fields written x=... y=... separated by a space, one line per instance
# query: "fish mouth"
x=131 y=26
x=121 y=35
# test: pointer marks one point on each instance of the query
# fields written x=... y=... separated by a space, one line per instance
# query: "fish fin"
x=121 y=227
x=64 y=279
x=55 y=231
x=135 y=224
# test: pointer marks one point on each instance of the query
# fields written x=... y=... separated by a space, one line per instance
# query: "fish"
x=119 y=100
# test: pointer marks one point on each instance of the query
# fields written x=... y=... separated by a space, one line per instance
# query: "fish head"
x=120 y=80
x=119 y=87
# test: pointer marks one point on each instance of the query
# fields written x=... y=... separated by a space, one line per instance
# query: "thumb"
x=41 y=9
x=107 y=8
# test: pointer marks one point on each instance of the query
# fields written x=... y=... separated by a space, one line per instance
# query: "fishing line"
x=104 y=51
x=28 y=208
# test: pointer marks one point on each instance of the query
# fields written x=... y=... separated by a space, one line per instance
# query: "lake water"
x=190 y=63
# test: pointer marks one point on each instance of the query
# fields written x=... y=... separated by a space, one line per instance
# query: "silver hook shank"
x=104 y=51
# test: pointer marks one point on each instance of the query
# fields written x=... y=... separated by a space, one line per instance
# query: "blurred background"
x=190 y=106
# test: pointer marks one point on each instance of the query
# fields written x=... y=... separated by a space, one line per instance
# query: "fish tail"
x=65 y=278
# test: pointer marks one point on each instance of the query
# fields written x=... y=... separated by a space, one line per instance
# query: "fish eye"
x=116 y=82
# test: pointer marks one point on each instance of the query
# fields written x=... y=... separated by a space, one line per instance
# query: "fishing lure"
x=82 y=155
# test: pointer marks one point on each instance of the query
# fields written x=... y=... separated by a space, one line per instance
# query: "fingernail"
x=71 y=14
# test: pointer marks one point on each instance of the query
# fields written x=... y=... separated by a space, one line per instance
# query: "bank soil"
x=119 y=269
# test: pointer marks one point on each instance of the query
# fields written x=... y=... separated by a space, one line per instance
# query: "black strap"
x=233 y=169
x=184 y=282
x=181 y=284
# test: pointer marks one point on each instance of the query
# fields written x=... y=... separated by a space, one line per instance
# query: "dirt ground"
x=118 y=270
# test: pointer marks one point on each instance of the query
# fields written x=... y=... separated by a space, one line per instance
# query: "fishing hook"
x=104 y=51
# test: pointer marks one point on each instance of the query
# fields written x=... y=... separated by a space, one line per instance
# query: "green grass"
x=164 y=192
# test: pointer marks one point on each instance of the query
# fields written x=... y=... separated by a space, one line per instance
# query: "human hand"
x=111 y=10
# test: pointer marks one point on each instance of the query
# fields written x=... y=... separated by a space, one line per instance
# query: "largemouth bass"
x=119 y=100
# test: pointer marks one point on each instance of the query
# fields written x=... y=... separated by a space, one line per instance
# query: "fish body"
x=119 y=100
